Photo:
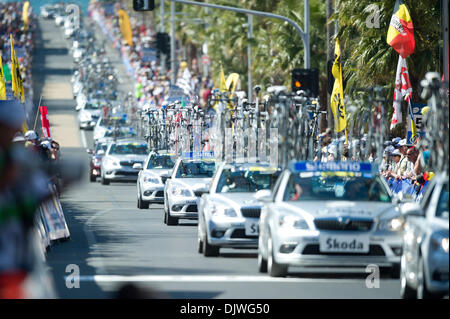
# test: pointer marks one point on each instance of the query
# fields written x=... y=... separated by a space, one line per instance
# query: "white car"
x=329 y=214
x=155 y=171
x=119 y=162
x=81 y=100
x=89 y=114
x=424 y=265
x=229 y=214
x=189 y=181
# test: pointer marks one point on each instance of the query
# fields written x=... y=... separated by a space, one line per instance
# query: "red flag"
x=402 y=88
x=45 y=122
x=401 y=31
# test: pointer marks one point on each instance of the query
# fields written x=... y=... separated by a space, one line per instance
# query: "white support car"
x=150 y=185
x=229 y=214
x=189 y=181
x=329 y=214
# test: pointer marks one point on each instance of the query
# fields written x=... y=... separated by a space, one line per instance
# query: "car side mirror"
x=137 y=166
x=264 y=195
x=90 y=151
x=165 y=177
x=101 y=152
x=411 y=209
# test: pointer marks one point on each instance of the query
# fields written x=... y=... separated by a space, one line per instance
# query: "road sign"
x=418 y=117
x=206 y=60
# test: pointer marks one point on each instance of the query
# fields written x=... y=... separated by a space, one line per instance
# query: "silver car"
x=229 y=214
x=329 y=214
x=150 y=186
x=89 y=114
x=424 y=263
x=189 y=181
x=119 y=162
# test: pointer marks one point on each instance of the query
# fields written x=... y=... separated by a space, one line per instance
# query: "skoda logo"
x=344 y=221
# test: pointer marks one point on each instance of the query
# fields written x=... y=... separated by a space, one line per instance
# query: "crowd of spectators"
x=11 y=22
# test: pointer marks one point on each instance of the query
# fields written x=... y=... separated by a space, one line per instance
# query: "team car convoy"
x=311 y=214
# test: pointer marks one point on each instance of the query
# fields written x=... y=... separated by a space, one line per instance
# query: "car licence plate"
x=251 y=228
x=343 y=244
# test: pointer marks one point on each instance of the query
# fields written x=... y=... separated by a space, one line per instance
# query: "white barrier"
x=53 y=221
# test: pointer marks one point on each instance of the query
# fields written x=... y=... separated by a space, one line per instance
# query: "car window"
x=332 y=186
x=160 y=161
x=245 y=181
x=442 y=206
x=427 y=198
x=128 y=149
x=196 y=170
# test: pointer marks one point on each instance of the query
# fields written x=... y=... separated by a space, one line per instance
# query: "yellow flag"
x=15 y=87
x=223 y=83
x=125 y=26
x=337 y=96
x=2 y=81
x=232 y=82
x=26 y=6
x=19 y=79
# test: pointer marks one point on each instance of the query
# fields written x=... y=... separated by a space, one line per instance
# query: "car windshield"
x=196 y=170
x=119 y=133
x=246 y=181
x=442 y=207
x=160 y=161
x=335 y=187
x=92 y=106
x=101 y=147
x=128 y=149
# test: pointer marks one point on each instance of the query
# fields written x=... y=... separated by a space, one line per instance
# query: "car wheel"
x=422 y=290
x=104 y=181
x=406 y=291
x=275 y=269
x=199 y=240
x=171 y=221
x=262 y=263
x=209 y=250
x=142 y=204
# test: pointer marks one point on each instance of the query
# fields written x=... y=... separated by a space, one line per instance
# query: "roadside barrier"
x=52 y=225
x=407 y=189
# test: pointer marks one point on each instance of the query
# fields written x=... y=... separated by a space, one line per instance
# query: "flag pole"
x=37 y=112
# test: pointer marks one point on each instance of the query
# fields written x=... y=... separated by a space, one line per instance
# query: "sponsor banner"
x=418 y=120
x=53 y=217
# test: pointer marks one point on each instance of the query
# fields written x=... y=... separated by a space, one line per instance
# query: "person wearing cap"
x=395 y=168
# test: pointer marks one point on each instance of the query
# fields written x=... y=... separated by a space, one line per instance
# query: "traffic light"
x=163 y=43
x=143 y=5
x=306 y=79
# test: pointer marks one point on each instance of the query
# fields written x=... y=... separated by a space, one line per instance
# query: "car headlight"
x=394 y=224
x=151 y=180
x=97 y=161
x=111 y=163
x=292 y=221
x=439 y=241
x=179 y=191
x=219 y=210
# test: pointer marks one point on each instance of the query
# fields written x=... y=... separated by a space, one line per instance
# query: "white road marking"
x=207 y=278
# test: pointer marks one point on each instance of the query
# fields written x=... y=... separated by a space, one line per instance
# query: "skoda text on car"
x=150 y=185
x=189 y=181
x=118 y=164
x=424 y=264
x=229 y=214
x=329 y=214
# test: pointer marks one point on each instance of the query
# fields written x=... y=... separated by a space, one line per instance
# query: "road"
x=112 y=242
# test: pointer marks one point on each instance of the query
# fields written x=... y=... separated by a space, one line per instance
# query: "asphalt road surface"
x=112 y=242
